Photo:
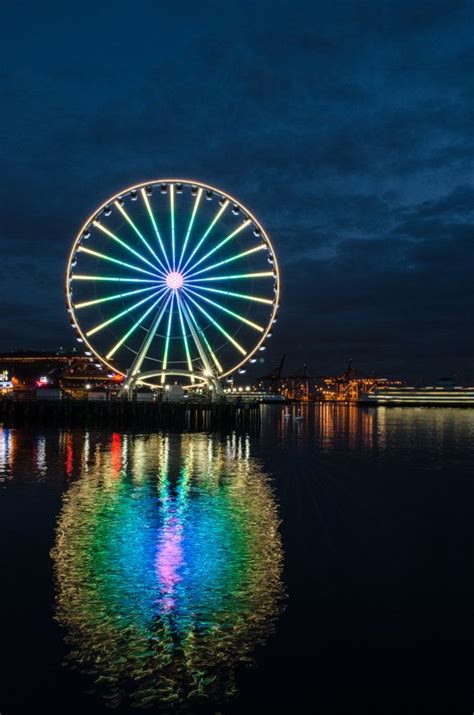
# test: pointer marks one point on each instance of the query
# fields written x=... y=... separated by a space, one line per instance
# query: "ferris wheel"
x=173 y=281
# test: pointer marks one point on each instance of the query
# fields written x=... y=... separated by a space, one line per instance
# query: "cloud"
x=347 y=129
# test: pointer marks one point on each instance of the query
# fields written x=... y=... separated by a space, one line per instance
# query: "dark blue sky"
x=345 y=126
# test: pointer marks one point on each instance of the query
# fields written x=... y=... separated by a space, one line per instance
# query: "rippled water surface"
x=328 y=559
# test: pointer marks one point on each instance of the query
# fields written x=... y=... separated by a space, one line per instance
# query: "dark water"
x=327 y=561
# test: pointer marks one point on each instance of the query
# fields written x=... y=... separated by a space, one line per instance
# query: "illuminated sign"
x=5 y=382
x=42 y=381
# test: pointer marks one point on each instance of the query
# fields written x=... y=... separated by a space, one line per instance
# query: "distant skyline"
x=346 y=127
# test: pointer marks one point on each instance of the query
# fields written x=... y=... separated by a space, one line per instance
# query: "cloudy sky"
x=345 y=126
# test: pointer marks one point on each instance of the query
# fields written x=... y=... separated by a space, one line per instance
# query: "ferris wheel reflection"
x=168 y=564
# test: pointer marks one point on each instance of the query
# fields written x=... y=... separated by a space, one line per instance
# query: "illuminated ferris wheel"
x=173 y=281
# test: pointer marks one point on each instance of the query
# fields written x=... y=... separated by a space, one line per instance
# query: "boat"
x=444 y=393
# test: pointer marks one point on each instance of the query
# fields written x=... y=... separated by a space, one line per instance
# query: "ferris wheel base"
x=134 y=381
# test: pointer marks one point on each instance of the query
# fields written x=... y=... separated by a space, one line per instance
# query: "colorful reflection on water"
x=168 y=566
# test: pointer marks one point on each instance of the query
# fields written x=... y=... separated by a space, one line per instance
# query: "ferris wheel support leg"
x=125 y=390
x=217 y=391
x=134 y=372
x=129 y=385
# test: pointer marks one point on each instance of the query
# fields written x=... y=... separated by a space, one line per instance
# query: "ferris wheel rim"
x=192 y=183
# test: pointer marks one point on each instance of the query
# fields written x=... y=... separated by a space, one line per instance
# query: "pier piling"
x=129 y=414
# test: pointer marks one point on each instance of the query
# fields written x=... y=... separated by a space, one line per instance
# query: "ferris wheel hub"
x=174 y=280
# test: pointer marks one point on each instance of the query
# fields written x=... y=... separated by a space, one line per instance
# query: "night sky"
x=346 y=127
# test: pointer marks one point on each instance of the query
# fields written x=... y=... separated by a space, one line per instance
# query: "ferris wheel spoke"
x=236 y=276
x=167 y=340
x=111 y=279
x=122 y=243
x=207 y=232
x=185 y=337
x=223 y=242
x=130 y=332
x=108 y=298
x=242 y=296
x=102 y=256
x=155 y=226
x=260 y=328
x=218 y=326
x=140 y=236
x=192 y=321
x=237 y=257
x=191 y=222
x=101 y=326
x=173 y=232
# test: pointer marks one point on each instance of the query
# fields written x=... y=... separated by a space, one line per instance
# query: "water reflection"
x=7 y=450
x=59 y=456
x=168 y=566
x=325 y=423
x=337 y=427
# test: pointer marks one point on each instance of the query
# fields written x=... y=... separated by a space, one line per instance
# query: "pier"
x=130 y=414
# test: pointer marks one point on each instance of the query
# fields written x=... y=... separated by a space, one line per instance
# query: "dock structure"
x=125 y=414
